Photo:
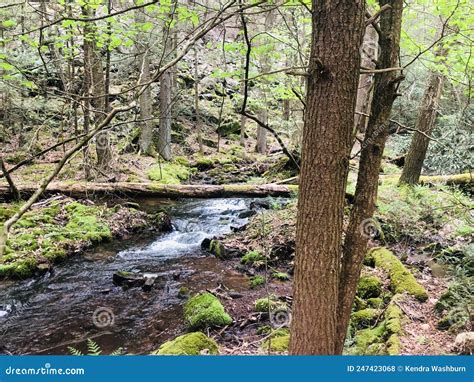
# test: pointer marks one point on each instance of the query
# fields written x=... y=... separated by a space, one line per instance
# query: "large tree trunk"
x=355 y=242
x=338 y=29
x=424 y=126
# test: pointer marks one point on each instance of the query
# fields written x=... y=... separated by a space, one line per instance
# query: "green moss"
x=256 y=281
x=45 y=235
x=183 y=161
x=464 y=230
x=280 y=276
x=217 y=249
x=84 y=224
x=364 y=318
x=375 y=302
x=204 y=310
x=393 y=345
x=268 y=303
x=169 y=173
x=278 y=340
x=189 y=344
x=401 y=279
x=384 y=338
x=254 y=258
x=369 y=286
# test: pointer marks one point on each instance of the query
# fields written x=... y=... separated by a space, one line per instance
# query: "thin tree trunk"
x=145 y=101
x=424 y=126
x=338 y=29
x=196 y=101
x=366 y=80
x=355 y=242
x=164 y=133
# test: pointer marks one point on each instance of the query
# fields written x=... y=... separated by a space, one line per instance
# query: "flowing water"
x=46 y=315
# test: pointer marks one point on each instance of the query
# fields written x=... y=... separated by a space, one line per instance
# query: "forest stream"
x=49 y=314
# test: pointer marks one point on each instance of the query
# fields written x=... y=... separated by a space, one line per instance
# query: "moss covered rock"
x=369 y=286
x=253 y=258
x=384 y=337
x=277 y=341
x=364 y=318
x=204 y=310
x=189 y=344
x=269 y=303
x=169 y=172
x=401 y=279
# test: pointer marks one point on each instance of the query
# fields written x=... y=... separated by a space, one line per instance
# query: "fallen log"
x=450 y=180
x=90 y=190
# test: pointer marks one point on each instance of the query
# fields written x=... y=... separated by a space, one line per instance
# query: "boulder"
x=464 y=343
x=189 y=344
x=204 y=310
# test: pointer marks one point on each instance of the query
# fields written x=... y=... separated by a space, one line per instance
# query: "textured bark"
x=164 y=133
x=424 y=124
x=333 y=75
x=196 y=101
x=145 y=101
x=355 y=243
x=366 y=80
x=262 y=133
x=96 y=86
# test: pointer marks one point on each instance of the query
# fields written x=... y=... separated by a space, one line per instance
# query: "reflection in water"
x=48 y=314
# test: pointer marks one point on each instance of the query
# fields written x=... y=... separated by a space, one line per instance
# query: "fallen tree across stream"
x=176 y=191
x=90 y=190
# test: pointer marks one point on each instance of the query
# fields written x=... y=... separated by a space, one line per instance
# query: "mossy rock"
x=277 y=341
x=281 y=276
x=401 y=279
x=375 y=302
x=384 y=338
x=204 y=310
x=189 y=344
x=169 y=173
x=364 y=318
x=368 y=287
x=217 y=249
x=270 y=303
x=253 y=258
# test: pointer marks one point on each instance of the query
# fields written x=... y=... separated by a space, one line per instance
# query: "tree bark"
x=355 y=242
x=145 y=101
x=425 y=125
x=164 y=133
x=366 y=80
x=96 y=82
x=333 y=75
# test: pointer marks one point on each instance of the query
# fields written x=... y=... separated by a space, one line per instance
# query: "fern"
x=74 y=351
x=118 y=351
x=93 y=348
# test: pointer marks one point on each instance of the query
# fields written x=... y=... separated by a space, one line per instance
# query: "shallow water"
x=65 y=308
